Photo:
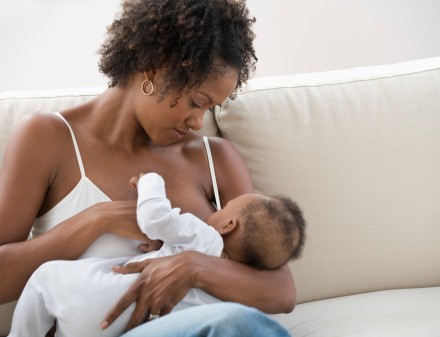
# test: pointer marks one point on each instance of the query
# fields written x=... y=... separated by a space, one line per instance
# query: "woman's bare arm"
x=18 y=260
x=163 y=282
x=29 y=168
x=270 y=291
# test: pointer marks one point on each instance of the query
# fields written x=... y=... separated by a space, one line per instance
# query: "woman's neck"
x=114 y=120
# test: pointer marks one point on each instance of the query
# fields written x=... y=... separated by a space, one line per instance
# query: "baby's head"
x=262 y=231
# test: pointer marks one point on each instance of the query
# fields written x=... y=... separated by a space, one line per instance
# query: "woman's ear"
x=229 y=227
x=149 y=75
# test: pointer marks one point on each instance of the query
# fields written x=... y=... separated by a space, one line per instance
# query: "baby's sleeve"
x=159 y=221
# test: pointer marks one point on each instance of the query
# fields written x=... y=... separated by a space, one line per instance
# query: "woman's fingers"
x=139 y=316
x=124 y=302
x=145 y=310
x=162 y=283
x=166 y=310
x=120 y=219
x=129 y=268
x=150 y=245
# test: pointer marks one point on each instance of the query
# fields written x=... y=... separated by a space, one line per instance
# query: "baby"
x=262 y=231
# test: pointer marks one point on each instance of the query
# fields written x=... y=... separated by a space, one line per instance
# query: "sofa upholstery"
x=359 y=150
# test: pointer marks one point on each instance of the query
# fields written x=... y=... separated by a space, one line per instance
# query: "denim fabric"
x=212 y=320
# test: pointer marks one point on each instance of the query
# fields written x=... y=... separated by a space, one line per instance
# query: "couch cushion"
x=391 y=313
x=359 y=149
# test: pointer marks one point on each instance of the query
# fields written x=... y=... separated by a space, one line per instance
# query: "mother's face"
x=167 y=123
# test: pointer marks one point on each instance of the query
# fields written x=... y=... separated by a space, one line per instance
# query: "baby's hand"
x=135 y=180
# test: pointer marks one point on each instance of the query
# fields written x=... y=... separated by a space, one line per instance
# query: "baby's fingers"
x=134 y=182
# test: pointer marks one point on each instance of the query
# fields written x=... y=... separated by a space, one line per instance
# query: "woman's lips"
x=180 y=132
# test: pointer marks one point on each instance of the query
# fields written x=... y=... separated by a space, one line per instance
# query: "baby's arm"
x=160 y=221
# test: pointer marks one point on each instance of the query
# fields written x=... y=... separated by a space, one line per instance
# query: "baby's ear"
x=229 y=227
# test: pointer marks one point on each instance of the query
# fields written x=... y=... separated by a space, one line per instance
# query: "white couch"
x=359 y=149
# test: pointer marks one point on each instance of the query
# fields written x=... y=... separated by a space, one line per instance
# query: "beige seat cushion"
x=391 y=313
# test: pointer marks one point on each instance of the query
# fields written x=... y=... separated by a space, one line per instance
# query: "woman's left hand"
x=162 y=283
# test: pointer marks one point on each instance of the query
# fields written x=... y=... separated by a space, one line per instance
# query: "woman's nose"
x=195 y=121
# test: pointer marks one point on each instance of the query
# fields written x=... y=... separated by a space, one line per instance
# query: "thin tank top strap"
x=75 y=145
x=211 y=169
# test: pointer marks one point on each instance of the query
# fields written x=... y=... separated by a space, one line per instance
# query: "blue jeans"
x=212 y=320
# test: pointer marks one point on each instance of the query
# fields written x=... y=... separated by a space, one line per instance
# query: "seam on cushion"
x=47 y=97
x=52 y=93
x=335 y=83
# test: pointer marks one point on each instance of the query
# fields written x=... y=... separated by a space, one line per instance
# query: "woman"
x=65 y=176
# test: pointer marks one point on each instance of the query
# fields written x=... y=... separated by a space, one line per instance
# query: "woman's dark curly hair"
x=189 y=39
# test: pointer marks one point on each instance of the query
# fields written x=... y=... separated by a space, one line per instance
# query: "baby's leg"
x=78 y=294
x=31 y=318
x=93 y=294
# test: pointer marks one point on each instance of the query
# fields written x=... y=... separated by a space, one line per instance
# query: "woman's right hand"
x=162 y=283
x=119 y=218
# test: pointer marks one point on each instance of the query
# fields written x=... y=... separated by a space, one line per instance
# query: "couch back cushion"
x=359 y=149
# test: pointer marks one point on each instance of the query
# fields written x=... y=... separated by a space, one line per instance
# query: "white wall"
x=52 y=43
x=295 y=36
x=48 y=44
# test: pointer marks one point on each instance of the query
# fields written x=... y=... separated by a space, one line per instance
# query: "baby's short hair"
x=274 y=231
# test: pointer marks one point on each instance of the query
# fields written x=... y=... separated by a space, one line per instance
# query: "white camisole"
x=86 y=194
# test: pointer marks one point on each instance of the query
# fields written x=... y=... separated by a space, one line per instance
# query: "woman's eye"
x=194 y=105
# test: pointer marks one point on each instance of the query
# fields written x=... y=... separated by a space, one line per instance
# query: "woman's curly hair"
x=189 y=39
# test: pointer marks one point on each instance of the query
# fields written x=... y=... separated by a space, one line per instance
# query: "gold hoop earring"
x=149 y=93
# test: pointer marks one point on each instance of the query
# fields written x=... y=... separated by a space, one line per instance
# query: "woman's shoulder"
x=39 y=122
x=37 y=134
x=196 y=145
x=40 y=127
x=232 y=174
x=196 y=140
x=223 y=150
x=221 y=145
